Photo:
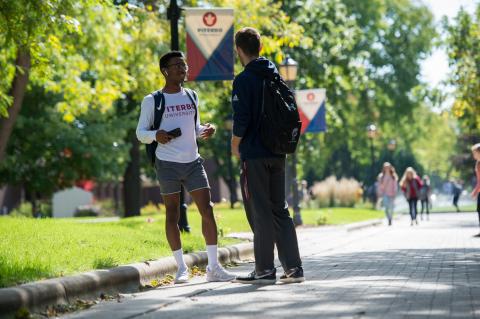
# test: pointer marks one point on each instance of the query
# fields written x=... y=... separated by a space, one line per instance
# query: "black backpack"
x=159 y=109
x=279 y=124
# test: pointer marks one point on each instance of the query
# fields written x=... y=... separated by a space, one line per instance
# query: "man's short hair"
x=248 y=39
x=165 y=59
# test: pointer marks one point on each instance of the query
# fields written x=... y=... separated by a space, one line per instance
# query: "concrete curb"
x=36 y=296
x=362 y=225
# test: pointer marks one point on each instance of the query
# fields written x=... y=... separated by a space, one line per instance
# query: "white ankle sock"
x=178 y=255
x=212 y=256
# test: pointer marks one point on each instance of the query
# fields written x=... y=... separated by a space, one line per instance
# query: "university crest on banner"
x=311 y=106
x=209 y=44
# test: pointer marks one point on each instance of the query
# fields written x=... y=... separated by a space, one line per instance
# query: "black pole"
x=372 y=154
x=372 y=168
x=173 y=14
x=297 y=217
x=183 y=221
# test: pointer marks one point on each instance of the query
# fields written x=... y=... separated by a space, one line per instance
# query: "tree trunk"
x=131 y=179
x=17 y=91
x=33 y=200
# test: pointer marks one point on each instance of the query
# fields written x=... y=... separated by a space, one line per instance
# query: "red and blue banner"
x=311 y=106
x=209 y=44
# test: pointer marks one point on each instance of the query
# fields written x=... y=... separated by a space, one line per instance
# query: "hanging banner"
x=311 y=106
x=209 y=44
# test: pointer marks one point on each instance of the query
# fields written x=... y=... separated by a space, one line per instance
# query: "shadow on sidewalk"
x=422 y=283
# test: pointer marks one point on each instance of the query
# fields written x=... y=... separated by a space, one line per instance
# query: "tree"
x=47 y=153
x=367 y=56
x=463 y=48
x=86 y=71
x=25 y=27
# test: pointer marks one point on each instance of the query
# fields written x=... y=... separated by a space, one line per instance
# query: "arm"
x=241 y=115
x=381 y=186
x=235 y=145
x=144 y=133
x=199 y=128
x=476 y=189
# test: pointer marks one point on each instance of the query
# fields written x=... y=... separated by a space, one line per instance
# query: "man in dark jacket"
x=263 y=173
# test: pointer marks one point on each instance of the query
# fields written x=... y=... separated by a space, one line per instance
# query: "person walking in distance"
x=476 y=189
x=411 y=185
x=425 y=193
x=263 y=172
x=170 y=117
x=387 y=189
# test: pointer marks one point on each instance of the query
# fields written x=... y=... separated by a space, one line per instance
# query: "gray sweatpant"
x=263 y=191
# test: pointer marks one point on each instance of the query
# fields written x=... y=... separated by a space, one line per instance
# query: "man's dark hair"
x=248 y=39
x=165 y=59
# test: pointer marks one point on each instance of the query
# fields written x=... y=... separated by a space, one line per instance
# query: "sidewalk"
x=426 y=271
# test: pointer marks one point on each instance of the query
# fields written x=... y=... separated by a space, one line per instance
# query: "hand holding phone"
x=175 y=132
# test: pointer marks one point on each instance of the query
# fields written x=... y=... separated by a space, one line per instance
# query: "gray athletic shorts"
x=172 y=175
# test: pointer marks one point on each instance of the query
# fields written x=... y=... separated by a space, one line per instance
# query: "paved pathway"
x=426 y=271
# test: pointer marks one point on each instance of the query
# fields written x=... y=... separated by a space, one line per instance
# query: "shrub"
x=23 y=210
x=107 y=207
x=87 y=211
x=332 y=192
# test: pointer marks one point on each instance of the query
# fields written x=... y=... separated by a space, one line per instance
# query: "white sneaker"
x=218 y=273
x=182 y=276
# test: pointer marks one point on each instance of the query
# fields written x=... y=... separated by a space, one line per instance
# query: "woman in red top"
x=476 y=189
x=411 y=185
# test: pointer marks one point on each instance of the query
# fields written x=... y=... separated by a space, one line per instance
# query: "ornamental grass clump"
x=336 y=193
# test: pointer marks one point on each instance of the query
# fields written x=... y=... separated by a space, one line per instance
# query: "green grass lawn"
x=338 y=216
x=33 y=249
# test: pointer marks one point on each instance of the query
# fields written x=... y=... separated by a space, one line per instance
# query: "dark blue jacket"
x=247 y=98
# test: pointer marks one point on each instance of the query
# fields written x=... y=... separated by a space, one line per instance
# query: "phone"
x=175 y=132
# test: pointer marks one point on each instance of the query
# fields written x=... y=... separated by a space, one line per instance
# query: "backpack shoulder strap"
x=159 y=109
x=192 y=95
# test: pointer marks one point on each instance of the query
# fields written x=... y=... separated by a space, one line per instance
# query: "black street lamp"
x=288 y=70
x=228 y=124
x=173 y=14
x=372 y=134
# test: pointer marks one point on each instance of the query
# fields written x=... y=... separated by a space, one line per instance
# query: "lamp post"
x=173 y=14
x=228 y=124
x=372 y=133
x=391 y=146
x=288 y=70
